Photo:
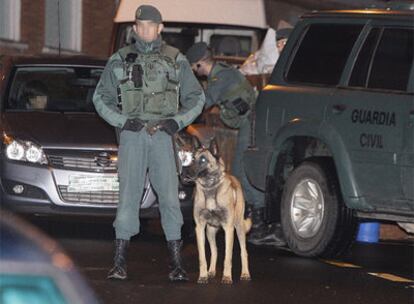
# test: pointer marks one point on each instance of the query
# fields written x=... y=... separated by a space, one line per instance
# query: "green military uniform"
x=154 y=83
x=225 y=85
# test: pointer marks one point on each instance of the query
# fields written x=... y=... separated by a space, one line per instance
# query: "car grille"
x=83 y=161
x=95 y=197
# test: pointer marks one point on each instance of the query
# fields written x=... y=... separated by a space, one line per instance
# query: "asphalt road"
x=370 y=273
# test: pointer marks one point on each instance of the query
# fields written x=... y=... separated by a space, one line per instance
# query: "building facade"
x=84 y=27
x=33 y=27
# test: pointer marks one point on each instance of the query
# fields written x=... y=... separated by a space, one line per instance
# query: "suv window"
x=388 y=66
x=323 y=53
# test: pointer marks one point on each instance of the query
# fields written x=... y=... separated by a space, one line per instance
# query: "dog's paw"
x=211 y=274
x=245 y=277
x=202 y=280
x=226 y=280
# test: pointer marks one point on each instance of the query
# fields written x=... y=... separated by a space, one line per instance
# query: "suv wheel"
x=315 y=220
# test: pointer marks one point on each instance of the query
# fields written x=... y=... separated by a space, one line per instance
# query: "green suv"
x=334 y=128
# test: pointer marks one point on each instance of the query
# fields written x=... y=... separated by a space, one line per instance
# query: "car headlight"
x=24 y=151
x=186 y=157
x=34 y=154
x=15 y=151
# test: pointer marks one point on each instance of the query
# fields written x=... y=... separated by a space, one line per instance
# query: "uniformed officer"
x=282 y=35
x=148 y=92
x=232 y=93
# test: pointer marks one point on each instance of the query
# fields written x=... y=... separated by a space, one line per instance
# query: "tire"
x=319 y=225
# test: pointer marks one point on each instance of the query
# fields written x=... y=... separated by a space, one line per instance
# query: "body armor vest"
x=243 y=90
x=150 y=87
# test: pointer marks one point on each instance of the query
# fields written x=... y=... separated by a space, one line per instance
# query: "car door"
x=372 y=113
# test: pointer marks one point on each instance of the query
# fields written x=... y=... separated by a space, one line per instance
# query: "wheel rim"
x=307 y=208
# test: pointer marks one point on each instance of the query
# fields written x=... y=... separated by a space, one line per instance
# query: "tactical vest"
x=150 y=87
x=228 y=113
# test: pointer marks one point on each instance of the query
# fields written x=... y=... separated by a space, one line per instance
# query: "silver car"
x=57 y=156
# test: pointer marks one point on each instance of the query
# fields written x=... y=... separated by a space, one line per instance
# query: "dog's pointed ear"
x=214 y=150
x=196 y=143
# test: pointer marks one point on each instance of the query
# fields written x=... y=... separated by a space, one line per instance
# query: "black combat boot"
x=119 y=271
x=262 y=234
x=177 y=273
x=259 y=229
x=273 y=236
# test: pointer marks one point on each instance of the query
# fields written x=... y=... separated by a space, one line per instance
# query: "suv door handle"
x=338 y=108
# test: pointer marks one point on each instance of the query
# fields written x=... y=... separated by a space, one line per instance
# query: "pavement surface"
x=370 y=273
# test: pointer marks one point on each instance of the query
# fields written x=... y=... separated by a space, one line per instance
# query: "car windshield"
x=57 y=89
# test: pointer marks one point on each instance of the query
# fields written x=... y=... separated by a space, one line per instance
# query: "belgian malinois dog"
x=218 y=202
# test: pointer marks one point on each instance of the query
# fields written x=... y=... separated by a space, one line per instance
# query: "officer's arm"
x=191 y=94
x=105 y=96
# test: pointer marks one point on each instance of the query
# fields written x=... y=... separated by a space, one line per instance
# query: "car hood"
x=58 y=130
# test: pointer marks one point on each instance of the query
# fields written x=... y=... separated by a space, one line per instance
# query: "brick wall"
x=33 y=25
x=97 y=27
x=31 y=30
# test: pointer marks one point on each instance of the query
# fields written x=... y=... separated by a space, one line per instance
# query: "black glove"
x=134 y=125
x=169 y=125
x=241 y=106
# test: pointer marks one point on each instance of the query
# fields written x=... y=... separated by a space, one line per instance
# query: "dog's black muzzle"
x=191 y=173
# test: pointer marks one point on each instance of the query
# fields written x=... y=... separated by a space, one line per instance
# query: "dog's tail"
x=246 y=219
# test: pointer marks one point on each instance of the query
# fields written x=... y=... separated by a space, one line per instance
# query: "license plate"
x=89 y=183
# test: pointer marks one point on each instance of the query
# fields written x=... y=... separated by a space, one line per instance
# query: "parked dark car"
x=57 y=156
x=335 y=128
x=34 y=269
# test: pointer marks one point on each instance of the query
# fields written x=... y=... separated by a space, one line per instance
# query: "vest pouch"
x=230 y=117
x=132 y=100
x=162 y=103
